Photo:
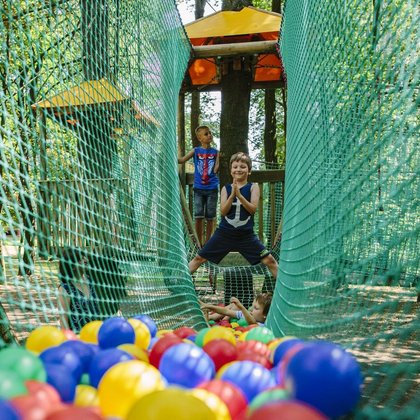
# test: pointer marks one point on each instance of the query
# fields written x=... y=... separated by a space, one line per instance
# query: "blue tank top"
x=204 y=162
x=83 y=309
x=238 y=217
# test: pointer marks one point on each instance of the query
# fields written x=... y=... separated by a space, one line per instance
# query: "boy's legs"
x=210 y=212
x=199 y=230
x=199 y=205
x=195 y=263
x=209 y=228
x=271 y=264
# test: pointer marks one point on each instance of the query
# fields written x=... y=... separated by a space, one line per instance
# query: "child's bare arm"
x=248 y=317
x=218 y=309
x=225 y=202
x=188 y=156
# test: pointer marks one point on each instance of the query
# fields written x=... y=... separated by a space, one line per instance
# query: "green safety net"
x=349 y=260
x=88 y=162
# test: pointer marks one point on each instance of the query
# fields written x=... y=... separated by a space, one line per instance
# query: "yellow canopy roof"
x=226 y=23
x=87 y=93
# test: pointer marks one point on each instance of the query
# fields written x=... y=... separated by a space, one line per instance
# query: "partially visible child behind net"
x=256 y=315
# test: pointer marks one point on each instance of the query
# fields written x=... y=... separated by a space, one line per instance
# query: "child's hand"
x=235 y=300
x=235 y=188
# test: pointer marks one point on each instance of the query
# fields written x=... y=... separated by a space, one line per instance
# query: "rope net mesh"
x=88 y=161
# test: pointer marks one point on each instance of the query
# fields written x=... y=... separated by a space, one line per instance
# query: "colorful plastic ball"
x=325 y=376
x=242 y=322
x=135 y=351
x=29 y=407
x=104 y=360
x=256 y=347
x=70 y=335
x=46 y=395
x=62 y=380
x=171 y=403
x=23 y=362
x=83 y=350
x=150 y=323
x=11 y=384
x=282 y=348
x=86 y=396
x=161 y=346
x=43 y=338
x=64 y=356
x=142 y=333
x=268 y=396
x=230 y=394
x=254 y=357
x=123 y=384
x=286 y=410
x=184 y=332
x=162 y=333
x=153 y=341
x=262 y=334
x=274 y=343
x=186 y=365
x=115 y=331
x=7 y=411
x=219 y=333
x=216 y=405
x=221 y=352
x=200 y=336
x=72 y=413
x=250 y=377
x=89 y=332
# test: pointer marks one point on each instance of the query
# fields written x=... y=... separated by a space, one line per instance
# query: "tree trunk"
x=234 y=122
x=270 y=126
x=235 y=4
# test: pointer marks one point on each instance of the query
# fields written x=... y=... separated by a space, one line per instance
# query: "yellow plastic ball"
x=89 y=332
x=234 y=324
x=242 y=337
x=170 y=404
x=215 y=404
x=124 y=383
x=86 y=396
x=142 y=332
x=44 y=337
x=161 y=333
x=219 y=333
x=135 y=351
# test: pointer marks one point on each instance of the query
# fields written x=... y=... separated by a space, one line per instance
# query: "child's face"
x=257 y=312
x=204 y=136
x=239 y=171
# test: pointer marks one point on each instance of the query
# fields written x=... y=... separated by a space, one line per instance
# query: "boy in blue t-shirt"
x=206 y=182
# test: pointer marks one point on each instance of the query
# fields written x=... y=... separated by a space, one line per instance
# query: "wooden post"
x=181 y=135
x=43 y=231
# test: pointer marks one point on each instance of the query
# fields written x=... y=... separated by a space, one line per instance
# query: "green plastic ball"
x=23 y=362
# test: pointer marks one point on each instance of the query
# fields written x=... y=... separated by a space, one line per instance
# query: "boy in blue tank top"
x=206 y=182
x=235 y=233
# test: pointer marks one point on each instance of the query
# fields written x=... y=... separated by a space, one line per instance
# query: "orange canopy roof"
x=232 y=27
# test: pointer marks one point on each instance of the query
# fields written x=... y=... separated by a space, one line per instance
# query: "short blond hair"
x=241 y=157
x=201 y=127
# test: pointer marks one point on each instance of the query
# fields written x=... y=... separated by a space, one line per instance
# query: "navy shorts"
x=224 y=241
x=205 y=204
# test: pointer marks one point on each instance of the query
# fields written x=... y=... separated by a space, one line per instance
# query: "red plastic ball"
x=255 y=357
x=255 y=346
x=161 y=346
x=286 y=410
x=230 y=394
x=46 y=395
x=29 y=408
x=221 y=352
x=184 y=332
x=72 y=413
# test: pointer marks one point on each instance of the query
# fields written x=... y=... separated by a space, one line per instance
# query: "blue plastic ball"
x=102 y=361
x=251 y=377
x=148 y=321
x=283 y=348
x=84 y=351
x=7 y=411
x=186 y=365
x=61 y=378
x=115 y=331
x=325 y=376
x=64 y=356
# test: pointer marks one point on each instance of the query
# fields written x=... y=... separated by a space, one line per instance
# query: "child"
x=76 y=295
x=257 y=315
x=206 y=183
x=238 y=204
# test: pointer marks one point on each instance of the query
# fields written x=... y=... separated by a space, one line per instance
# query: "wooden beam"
x=275 y=84
x=237 y=49
x=268 y=175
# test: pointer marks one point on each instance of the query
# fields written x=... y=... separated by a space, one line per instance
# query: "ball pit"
x=128 y=369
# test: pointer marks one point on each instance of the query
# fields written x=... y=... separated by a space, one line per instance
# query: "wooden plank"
x=261 y=213
x=235 y=49
x=272 y=212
